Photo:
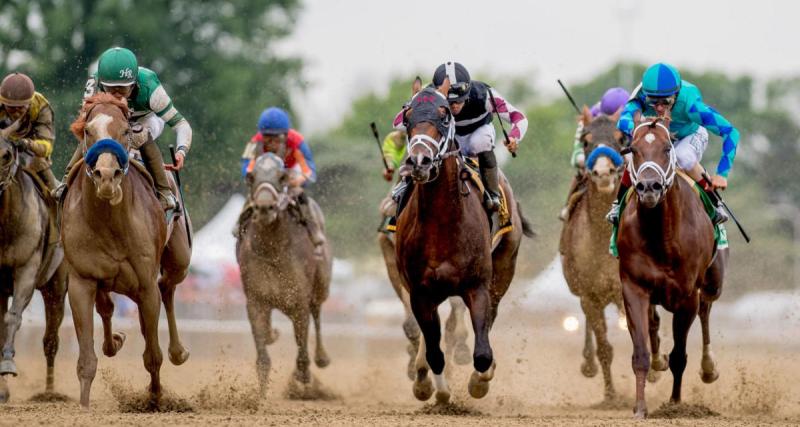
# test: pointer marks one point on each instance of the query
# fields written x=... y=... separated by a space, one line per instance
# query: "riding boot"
x=59 y=190
x=400 y=194
x=574 y=187
x=314 y=228
x=613 y=215
x=720 y=215
x=151 y=156
x=487 y=162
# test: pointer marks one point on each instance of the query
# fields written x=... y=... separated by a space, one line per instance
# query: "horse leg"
x=589 y=366
x=479 y=303
x=260 y=325
x=455 y=332
x=300 y=322
x=177 y=353
x=53 y=295
x=149 y=311
x=595 y=317
x=710 y=292
x=23 y=292
x=81 y=301
x=681 y=322
x=428 y=318
x=4 y=392
x=321 y=358
x=658 y=361
x=411 y=329
x=112 y=342
x=637 y=304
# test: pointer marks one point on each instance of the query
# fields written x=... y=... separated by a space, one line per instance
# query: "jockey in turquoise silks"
x=662 y=90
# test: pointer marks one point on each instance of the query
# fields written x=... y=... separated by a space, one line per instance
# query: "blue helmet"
x=274 y=121
x=661 y=80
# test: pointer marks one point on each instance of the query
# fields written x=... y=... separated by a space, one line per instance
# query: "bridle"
x=85 y=148
x=281 y=196
x=439 y=150
x=666 y=177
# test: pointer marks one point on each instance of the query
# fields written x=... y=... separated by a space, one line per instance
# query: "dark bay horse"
x=116 y=239
x=27 y=262
x=279 y=269
x=444 y=247
x=592 y=274
x=667 y=257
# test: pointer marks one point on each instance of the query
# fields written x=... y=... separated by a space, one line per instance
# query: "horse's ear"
x=615 y=117
x=586 y=116
x=416 y=86
x=444 y=88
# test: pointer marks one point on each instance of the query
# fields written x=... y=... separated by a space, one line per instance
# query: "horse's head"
x=9 y=162
x=103 y=129
x=268 y=182
x=602 y=142
x=430 y=128
x=653 y=165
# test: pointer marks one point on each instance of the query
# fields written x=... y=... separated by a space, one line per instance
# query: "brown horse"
x=667 y=257
x=591 y=273
x=444 y=247
x=116 y=239
x=279 y=269
x=27 y=262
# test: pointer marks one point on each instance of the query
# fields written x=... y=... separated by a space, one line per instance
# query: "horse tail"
x=527 y=228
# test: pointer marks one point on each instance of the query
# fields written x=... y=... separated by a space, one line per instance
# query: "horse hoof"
x=462 y=354
x=589 y=370
x=112 y=347
x=660 y=363
x=442 y=397
x=322 y=360
x=178 y=358
x=709 y=377
x=4 y=394
x=478 y=388
x=423 y=389
x=8 y=367
x=273 y=336
x=640 y=411
x=653 y=376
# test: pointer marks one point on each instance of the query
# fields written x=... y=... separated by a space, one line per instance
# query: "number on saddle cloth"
x=107 y=146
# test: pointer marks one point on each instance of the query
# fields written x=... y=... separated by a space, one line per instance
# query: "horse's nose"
x=649 y=185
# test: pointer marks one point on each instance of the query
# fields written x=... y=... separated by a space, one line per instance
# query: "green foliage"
x=213 y=57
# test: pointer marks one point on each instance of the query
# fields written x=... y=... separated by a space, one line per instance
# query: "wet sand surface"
x=537 y=382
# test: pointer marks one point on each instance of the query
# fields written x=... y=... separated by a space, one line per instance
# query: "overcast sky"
x=355 y=46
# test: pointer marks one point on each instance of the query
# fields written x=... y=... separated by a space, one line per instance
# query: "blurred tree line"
x=215 y=59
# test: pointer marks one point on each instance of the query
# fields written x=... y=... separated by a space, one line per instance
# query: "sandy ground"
x=538 y=382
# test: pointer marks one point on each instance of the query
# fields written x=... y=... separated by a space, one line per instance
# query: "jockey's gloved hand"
x=388 y=174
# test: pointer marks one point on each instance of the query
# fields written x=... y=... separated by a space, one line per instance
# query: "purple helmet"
x=613 y=100
x=595 y=109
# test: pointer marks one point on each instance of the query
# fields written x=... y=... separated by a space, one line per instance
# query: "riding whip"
x=378 y=140
x=566 y=92
x=725 y=205
x=177 y=176
x=494 y=105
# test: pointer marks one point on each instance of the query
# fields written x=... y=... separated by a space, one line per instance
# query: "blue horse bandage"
x=603 y=150
x=107 y=145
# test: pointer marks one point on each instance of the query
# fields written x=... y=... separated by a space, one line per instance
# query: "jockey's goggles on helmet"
x=660 y=100
x=458 y=92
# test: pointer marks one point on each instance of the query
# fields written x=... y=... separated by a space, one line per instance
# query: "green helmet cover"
x=117 y=67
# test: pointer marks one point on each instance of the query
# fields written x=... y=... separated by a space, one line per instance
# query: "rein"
x=667 y=177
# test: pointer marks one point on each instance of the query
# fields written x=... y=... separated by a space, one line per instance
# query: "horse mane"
x=79 y=125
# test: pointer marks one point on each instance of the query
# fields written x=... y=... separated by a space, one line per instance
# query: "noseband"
x=666 y=177
x=438 y=150
x=282 y=197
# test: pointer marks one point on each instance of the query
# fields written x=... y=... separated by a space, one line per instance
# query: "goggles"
x=660 y=100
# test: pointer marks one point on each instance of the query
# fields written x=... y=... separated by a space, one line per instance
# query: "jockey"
x=26 y=116
x=119 y=74
x=394 y=151
x=275 y=135
x=611 y=102
x=472 y=103
x=662 y=90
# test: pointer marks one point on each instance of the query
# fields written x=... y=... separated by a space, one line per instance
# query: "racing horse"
x=444 y=247
x=590 y=272
x=116 y=239
x=667 y=257
x=280 y=270
x=29 y=260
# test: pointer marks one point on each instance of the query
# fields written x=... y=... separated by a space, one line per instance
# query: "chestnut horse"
x=592 y=274
x=28 y=261
x=444 y=247
x=116 y=239
x=667 y=257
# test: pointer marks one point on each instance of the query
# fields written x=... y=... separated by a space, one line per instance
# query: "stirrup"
x=168 y=201
x=720 y=216
x=613 y=215
x=59 y=190
x=491 y=202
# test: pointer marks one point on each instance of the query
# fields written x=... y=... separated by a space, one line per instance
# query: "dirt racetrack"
x=538 y=382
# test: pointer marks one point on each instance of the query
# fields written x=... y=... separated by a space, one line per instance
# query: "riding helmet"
x=613 y=100
x=274 y=121
x=661 y=80
x=459 y=80
x=16 y=90
x=117 y=67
